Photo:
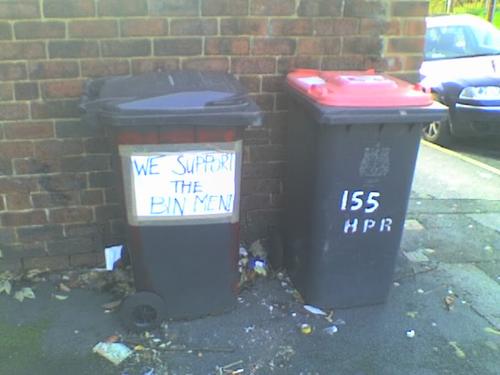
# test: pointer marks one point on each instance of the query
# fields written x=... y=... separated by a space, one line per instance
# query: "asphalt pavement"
x=442 y=315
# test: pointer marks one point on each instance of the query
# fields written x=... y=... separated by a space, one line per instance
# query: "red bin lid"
x=357 y=89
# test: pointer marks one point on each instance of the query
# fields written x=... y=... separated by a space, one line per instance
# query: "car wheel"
x=142 y=311
x=438 y=132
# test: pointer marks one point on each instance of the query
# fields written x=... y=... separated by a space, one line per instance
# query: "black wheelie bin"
x=353 y=139
x=178 y=138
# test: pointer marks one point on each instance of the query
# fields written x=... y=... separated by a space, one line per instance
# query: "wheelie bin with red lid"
x=179 y=137
x=353 y=139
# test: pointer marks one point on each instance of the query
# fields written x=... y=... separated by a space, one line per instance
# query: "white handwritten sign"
x=183 y=184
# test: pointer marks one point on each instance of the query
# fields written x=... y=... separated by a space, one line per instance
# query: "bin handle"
x=90 y=95
x=239 y=100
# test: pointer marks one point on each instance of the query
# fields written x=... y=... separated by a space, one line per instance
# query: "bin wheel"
x=142 y=311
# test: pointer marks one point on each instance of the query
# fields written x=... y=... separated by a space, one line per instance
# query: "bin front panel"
x=180 y=184
x=193 y=268
x=361 y=194
x=348 y=188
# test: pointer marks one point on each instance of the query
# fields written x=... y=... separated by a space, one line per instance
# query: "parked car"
x=462 y=68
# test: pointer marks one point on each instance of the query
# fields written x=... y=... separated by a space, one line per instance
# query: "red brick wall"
x=58 y=201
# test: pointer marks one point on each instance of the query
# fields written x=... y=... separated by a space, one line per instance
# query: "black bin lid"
x=168 y=98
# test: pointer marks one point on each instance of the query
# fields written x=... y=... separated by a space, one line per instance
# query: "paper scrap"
x=113 y=352
x=112 y=255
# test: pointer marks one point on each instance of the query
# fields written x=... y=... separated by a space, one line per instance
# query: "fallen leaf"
x=20 y=295
x=34 y=273
x=412 y=314
x=59 y=297
x=111 y=305
x=492 y=330
x=298 y=297
x=63 y=287
x=449 y=301
x=257 y=250
x=7 y=275
x=139 y=348
x=459 y=352
x=5 y=286
x=28 y=293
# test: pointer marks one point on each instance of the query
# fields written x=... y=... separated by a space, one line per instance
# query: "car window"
x=445 y=42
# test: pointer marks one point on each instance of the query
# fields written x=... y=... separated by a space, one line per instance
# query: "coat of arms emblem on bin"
x=375 y=162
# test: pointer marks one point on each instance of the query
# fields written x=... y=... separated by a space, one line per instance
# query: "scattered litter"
x=260 y=267
x=20 y=295
x=1 y=254
x=396 y=284
x=492 y=330
x=149 y=371
x=459 y=352
x=113 y=352
x=410 y=333
x=112 y=339
x=331 y=330
x=64 y=288
x=420 y=291
x=243 y=252
x=249 y=329
x=488 y=248
x=434 y=324
x=59 y=297
x=257 y=250
x=294 y=314
x=35 y=274
x=119 y=282
x=76 y=332
x=449 y=301
x=112 y=254
x=329 y=317
x=230 y=369
x=339 y=322
x=252 y=263
x=417 y=256
x=111 y=305
x=306 y=329
x=314 y=310
x=412 y=314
